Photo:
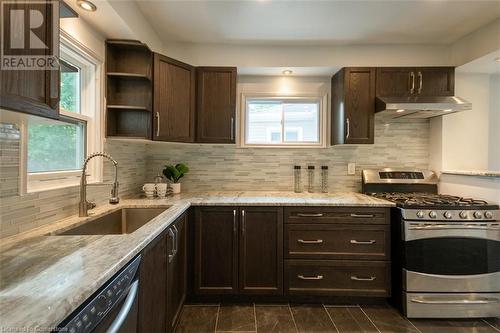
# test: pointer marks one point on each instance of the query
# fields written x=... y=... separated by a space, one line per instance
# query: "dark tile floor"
x=319 y=318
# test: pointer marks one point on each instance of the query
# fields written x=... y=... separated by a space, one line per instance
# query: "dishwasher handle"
x=125 y=310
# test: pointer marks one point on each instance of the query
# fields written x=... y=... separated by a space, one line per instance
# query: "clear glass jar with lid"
x=297 y=182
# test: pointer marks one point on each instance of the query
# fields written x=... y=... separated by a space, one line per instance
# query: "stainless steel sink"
x=122 y=221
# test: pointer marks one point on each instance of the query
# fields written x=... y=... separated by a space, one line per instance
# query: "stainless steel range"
x=445 y=249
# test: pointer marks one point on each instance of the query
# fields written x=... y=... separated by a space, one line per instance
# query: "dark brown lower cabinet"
x=238 y=250
x=261 y=251
x=163 y=279
x=216 y=248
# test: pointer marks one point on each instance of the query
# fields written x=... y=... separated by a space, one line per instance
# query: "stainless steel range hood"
x=420 y=106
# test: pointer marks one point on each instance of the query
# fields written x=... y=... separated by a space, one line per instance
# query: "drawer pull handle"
x=310 y=214
x=317 y=277
x=312 y=241
x=362 y=215
x=356 y=278
x=371 y=241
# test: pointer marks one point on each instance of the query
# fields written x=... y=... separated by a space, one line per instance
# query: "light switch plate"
x=351 y=168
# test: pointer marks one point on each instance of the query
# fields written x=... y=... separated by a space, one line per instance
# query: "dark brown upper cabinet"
x=129 y=70
x=216 y=104
x=415 y=81
x=353 y=105
x=34 y=92
x=174 y=100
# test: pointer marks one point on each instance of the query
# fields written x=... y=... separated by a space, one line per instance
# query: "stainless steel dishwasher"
x=112 y=309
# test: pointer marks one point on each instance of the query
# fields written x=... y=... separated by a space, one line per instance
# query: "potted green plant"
x=174 y=173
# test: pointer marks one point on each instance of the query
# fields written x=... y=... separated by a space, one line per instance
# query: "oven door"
x=451 y=257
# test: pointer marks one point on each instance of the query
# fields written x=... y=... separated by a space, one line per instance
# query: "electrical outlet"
x=351 y=168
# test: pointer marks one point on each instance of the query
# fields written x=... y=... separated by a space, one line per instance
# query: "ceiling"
x=487 y=64
x=316 y=22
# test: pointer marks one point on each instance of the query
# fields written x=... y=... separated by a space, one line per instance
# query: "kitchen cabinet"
x=33 y=92
x=415 y=81
x=153 y=285
x=337 y=251
x=216 y=250
x=353 y=106
x=261 y=251
x=215 y=104
x=163 y=281
x=174 y=100
x=177 y=273
x=238 y=250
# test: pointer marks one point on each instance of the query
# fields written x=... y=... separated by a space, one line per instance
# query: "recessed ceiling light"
x=86 y=5
x=400 y=110
x=287 y=72
x=497 y=59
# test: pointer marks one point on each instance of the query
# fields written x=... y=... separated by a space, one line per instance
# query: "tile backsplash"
x=213 y=167
x=227 y=167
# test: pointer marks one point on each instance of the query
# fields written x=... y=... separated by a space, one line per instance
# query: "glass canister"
x=297 y=183
x=324 y=178
x=310 y=178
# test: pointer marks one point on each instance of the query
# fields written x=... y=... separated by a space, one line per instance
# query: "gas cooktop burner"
x=429 y=200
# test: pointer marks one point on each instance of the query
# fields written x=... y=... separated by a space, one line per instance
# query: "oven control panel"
x=96 y=308
x=451 y=215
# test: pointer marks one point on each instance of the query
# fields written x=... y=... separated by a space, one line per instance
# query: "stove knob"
x=478 y=215
x=447 y=215
x=420 y=214
x=463 y=214
x=488 y=215
x=432 y=214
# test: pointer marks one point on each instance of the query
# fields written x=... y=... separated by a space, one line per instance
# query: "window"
x=283 y=121
x=56 y=150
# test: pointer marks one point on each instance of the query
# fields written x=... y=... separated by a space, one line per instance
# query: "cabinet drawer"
x=342 y=241
x=356 y=215
x=337 y=278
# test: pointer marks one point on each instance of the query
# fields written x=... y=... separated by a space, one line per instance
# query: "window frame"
x=91 y=106
x=322 y=101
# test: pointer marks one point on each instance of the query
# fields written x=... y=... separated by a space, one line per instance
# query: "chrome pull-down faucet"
x=84 y=205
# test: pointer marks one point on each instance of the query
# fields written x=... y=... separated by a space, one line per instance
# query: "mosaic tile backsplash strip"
x=227 y=167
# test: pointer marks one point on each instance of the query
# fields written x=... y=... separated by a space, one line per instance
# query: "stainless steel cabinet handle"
x=348 y=123
x=125 y=310
x=459 y=301
x=412 y=79
x=172 y=254
x=234 y=221
x=243 y=227
x=312 y=241
x=232 y=128
x=356 y=278
x=420 y=82
x=310 y=214
x=176 y=243
x=157 y=123
x=371 y=241
x=362 y=215
x=317 y=277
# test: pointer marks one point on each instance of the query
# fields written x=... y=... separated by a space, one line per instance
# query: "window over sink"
x=283 y=121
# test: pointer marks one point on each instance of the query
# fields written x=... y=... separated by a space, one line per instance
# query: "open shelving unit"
x=129 y=70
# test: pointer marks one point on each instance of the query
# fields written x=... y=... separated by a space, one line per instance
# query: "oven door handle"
x=125 y=310
x=459 y=227
x=460 y=301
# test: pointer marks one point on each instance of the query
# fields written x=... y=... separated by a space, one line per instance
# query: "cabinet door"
x=174 y=100
x=359 y=105
x=396 y=81
x=261 y=250
x=216 y=104
x=216 y=250
x=153 y=286
x=176 y=281
x=33 y=91
x=435 y=81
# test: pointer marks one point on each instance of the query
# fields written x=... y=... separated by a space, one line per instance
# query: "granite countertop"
x=44 y=277
x=478 y=173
